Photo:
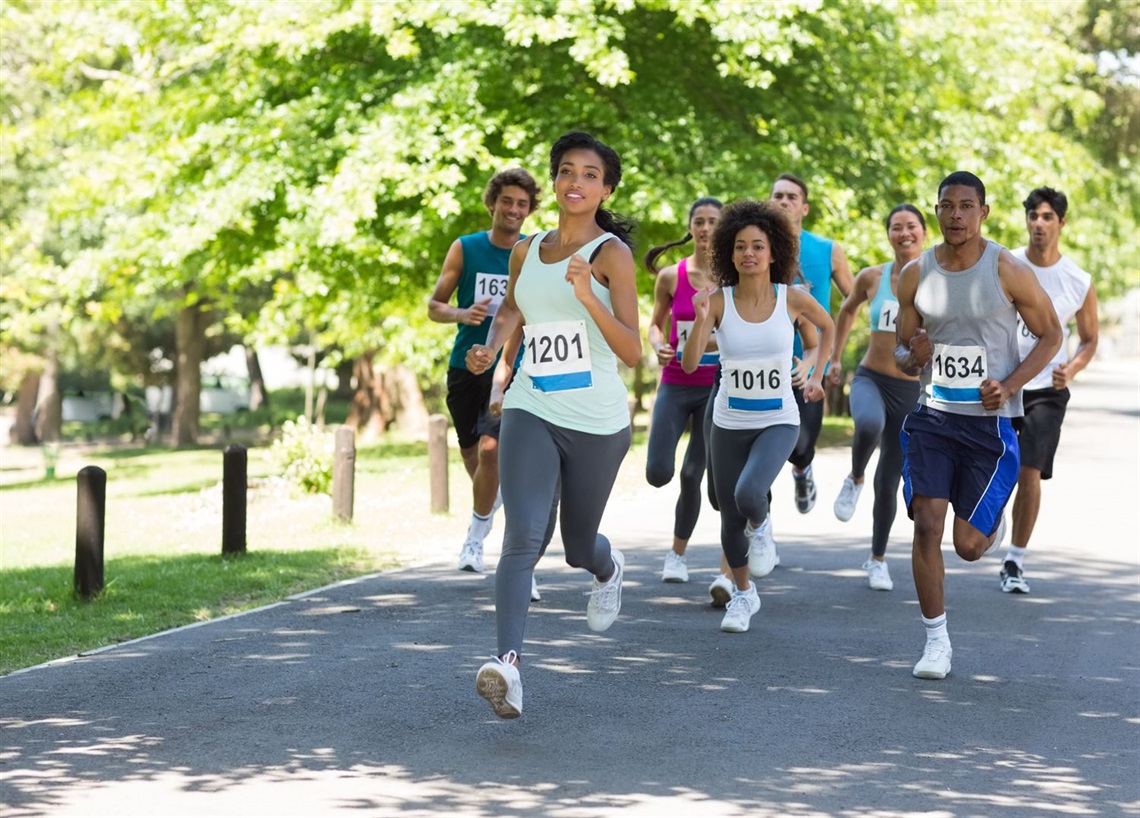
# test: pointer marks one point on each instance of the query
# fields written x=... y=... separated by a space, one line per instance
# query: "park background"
x=180 y=178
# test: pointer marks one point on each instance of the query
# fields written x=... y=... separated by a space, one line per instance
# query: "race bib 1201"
x=556 y=356
x=684 y=330
x=957 y=372
x=489 y=285
x=757 y=385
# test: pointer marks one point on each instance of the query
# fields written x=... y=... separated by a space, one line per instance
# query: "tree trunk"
x=344 y=382
x=370 y=405
x=49 y=402
x=407 y=399
x=258 y=394
x=23 y=432
x=190 y=346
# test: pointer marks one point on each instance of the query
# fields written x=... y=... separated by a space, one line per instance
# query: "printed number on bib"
x=888 y=316
x=684 y=330
x=556 y=356
x=488 y=285
x=756 y=386
x=957 y=373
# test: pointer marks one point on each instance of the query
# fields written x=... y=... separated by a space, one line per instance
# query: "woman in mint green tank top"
x=565 y=427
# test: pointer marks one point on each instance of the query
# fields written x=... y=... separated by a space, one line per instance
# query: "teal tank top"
x=815 y=266
x=569 y=375
x=885 y=320
x=486 y=270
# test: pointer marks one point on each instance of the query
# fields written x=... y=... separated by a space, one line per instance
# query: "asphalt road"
x=358 y=700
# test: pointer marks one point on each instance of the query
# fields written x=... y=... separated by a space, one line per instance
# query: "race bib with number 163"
x=489 y=285
x=556 y=356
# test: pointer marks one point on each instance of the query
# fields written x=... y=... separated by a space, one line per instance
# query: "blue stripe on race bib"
x=746 y=405
x=562 y=383
x=708 y=359
x=956 y=395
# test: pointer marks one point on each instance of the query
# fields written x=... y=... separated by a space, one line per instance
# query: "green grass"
x=44 y=619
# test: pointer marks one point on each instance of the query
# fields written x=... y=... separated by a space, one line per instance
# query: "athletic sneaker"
x=721 y=591
x=805 y=491
x=498 y=682
x=998 y=537
x=762 y=557
x=534 y=594
x=935 y=661
x=878 y=577
x=471 y=556
x=741 y=609
x=605 y=598
x=1012 y=580
x=847 y=499
x=675 y=568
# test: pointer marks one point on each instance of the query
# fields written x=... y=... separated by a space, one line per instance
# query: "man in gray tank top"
x=957 y=329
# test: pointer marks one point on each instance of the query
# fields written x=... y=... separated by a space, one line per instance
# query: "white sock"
x=480 y=526
x=936 y=629
x=1016 y=553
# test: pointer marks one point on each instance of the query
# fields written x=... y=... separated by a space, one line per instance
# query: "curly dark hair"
x=516 y=177
x=782 y=241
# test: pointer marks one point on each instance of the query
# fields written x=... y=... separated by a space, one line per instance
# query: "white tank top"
x=755 y=362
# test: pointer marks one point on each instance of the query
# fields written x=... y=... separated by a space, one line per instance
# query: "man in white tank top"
x=958 y=308
x=1045 y=397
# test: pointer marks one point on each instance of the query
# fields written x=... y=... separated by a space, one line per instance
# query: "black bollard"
x=344 y=475
x=91 y=512
x=233 y=499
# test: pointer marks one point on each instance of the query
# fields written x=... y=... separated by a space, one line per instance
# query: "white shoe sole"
x=674 y=578
x=930 y=674
x=491 y=685
x=733 y=628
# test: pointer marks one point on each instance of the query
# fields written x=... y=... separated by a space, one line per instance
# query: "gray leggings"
x=879 y=405
x=534 y=456
x=675 y=406
x=744 y=464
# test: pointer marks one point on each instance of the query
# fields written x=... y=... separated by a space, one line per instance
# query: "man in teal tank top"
x=822 y=262
x=475 y=270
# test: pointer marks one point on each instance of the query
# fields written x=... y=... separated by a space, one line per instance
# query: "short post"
x=344 y=472
x=234 y=484
x=89 y=526
x=437 y=462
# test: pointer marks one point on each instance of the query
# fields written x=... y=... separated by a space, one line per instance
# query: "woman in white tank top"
x=755 y=419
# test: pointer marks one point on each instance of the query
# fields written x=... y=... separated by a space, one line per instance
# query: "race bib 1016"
x=757 y=385
x=556 y=356
x=684 y=330
x=489 y=285
x=957 y=373
x=888 y=316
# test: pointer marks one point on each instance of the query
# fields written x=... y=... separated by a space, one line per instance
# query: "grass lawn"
x=162 y=545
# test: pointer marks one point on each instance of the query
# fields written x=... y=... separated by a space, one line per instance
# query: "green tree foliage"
x=300 y=168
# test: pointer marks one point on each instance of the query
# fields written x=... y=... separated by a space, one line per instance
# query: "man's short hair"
x=516 y=177
x=966 y=179
x=795 y=180
x=1054 y=198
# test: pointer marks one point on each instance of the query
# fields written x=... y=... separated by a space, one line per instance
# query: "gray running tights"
x=744 y=464
x=675 y=406
x=879 y=405
x=534 y=456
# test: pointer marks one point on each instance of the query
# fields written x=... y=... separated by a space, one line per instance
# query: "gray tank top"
x=973 y=327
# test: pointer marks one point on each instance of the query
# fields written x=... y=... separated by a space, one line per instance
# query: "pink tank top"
x=682 y=321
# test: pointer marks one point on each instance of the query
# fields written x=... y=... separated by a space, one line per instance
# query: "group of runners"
x=965 y=366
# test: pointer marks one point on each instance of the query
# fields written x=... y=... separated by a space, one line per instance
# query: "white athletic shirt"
x=1067 y=285
x=755 y=363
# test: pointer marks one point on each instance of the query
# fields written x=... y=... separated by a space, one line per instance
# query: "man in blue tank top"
x=959 y=304
x=476 y=271
x=822 y=262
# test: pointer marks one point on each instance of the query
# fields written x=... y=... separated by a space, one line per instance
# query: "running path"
x=359 y=699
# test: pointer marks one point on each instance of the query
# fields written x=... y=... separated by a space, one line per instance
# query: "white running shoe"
x=605 y=598
x=998 y=537
x=935 y=661
x=1012 y=579
x=847 y=499
x=675 y=568
x=498 y=682
x=535 y=596
x=741 y=609
x=471 y=556
x=721 y=591
x=762 y=557
x=878 y=576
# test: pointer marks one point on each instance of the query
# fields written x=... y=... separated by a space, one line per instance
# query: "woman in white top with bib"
x=565 y=428
x=755 y=418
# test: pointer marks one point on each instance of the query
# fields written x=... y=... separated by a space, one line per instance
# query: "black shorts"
x=467 y=399
x=1039 y=431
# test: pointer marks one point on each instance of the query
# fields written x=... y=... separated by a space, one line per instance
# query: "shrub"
x=304 y=453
